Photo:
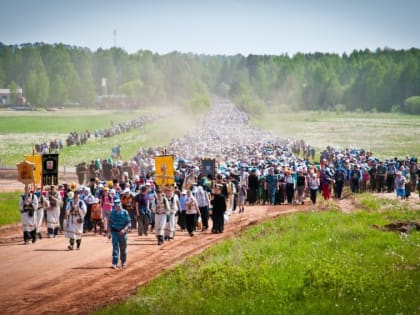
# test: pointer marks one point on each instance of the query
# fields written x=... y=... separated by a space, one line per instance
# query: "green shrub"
x=395 y=108
x=412 y=105
x=340 y=109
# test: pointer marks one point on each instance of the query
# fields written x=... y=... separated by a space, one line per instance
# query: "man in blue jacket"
x=119 y=222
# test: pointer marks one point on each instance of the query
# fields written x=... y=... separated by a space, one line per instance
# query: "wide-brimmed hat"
x=73 y=186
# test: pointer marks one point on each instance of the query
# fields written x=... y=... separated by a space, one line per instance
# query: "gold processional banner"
x=25 y=172
x=164 y=165
x=37 y=160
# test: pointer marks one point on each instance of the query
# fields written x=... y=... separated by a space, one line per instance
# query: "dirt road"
x=46 y=278
x=8 y=182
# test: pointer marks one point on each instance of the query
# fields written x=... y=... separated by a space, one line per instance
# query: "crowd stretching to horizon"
x=252 y=166
x=79 y=138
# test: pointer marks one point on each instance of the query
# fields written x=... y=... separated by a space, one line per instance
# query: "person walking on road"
x=218 y=210
x=313 y=187
x=73 y=225
x=28 y=203
x=174 y=206
x=43 y=204
x=143 y=212
x=53 y=212
x=203 y=201
x=192 y=212
x=128 y=203
x=119 y=222
x=161 y=212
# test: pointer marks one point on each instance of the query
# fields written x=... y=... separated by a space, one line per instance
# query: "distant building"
x=5 y=97
x=112 y=101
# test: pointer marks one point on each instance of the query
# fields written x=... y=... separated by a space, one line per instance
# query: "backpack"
x=96 y=212
x=365 y=176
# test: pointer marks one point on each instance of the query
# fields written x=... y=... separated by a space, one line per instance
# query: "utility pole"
x=115 y=38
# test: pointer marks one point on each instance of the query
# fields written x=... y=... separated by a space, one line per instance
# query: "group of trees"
x=52 y=75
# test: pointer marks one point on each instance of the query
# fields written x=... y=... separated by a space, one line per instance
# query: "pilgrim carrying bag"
x=96 y=212
x=199 y=223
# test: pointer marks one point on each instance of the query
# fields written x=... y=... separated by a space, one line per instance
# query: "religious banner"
x=208 y=167
x=25 y=172
x=164 y=165
x=50 y=169
x=37 y=160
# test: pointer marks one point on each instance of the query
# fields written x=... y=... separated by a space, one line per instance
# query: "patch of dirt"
x=8 y=182
x=413 y=201
x=346 y=205
x=402 y=227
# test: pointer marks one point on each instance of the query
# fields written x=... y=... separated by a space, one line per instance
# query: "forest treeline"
x=385 y=80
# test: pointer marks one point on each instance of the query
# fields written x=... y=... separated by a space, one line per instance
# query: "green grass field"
x=20 y=131
x=312 y=263
x=386 y=135
x=9 y=210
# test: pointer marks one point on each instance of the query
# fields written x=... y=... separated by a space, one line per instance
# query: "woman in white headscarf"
x=28 y=203
x=53 y=212
x=191 y=213
x=161 y=212
x=73 y=225
x=203 y=202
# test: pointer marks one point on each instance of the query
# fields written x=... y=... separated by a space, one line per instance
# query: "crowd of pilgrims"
x=252 y=166
x=54 y=146
x=79 y=138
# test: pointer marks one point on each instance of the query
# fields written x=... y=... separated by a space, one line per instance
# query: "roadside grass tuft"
x=9 y=208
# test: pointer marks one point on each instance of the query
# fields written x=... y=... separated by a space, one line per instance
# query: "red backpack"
x=96 y=212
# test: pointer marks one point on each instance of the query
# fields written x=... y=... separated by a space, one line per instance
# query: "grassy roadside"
x=9 y=210
x=310 y=263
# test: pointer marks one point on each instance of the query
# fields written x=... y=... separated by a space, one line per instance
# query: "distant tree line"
x=386 y=80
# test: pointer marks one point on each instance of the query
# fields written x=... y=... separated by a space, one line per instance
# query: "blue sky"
x=215 y=27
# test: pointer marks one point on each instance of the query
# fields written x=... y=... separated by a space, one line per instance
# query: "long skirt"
x=182 y=221
x=252 y=196
x=191 y=222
